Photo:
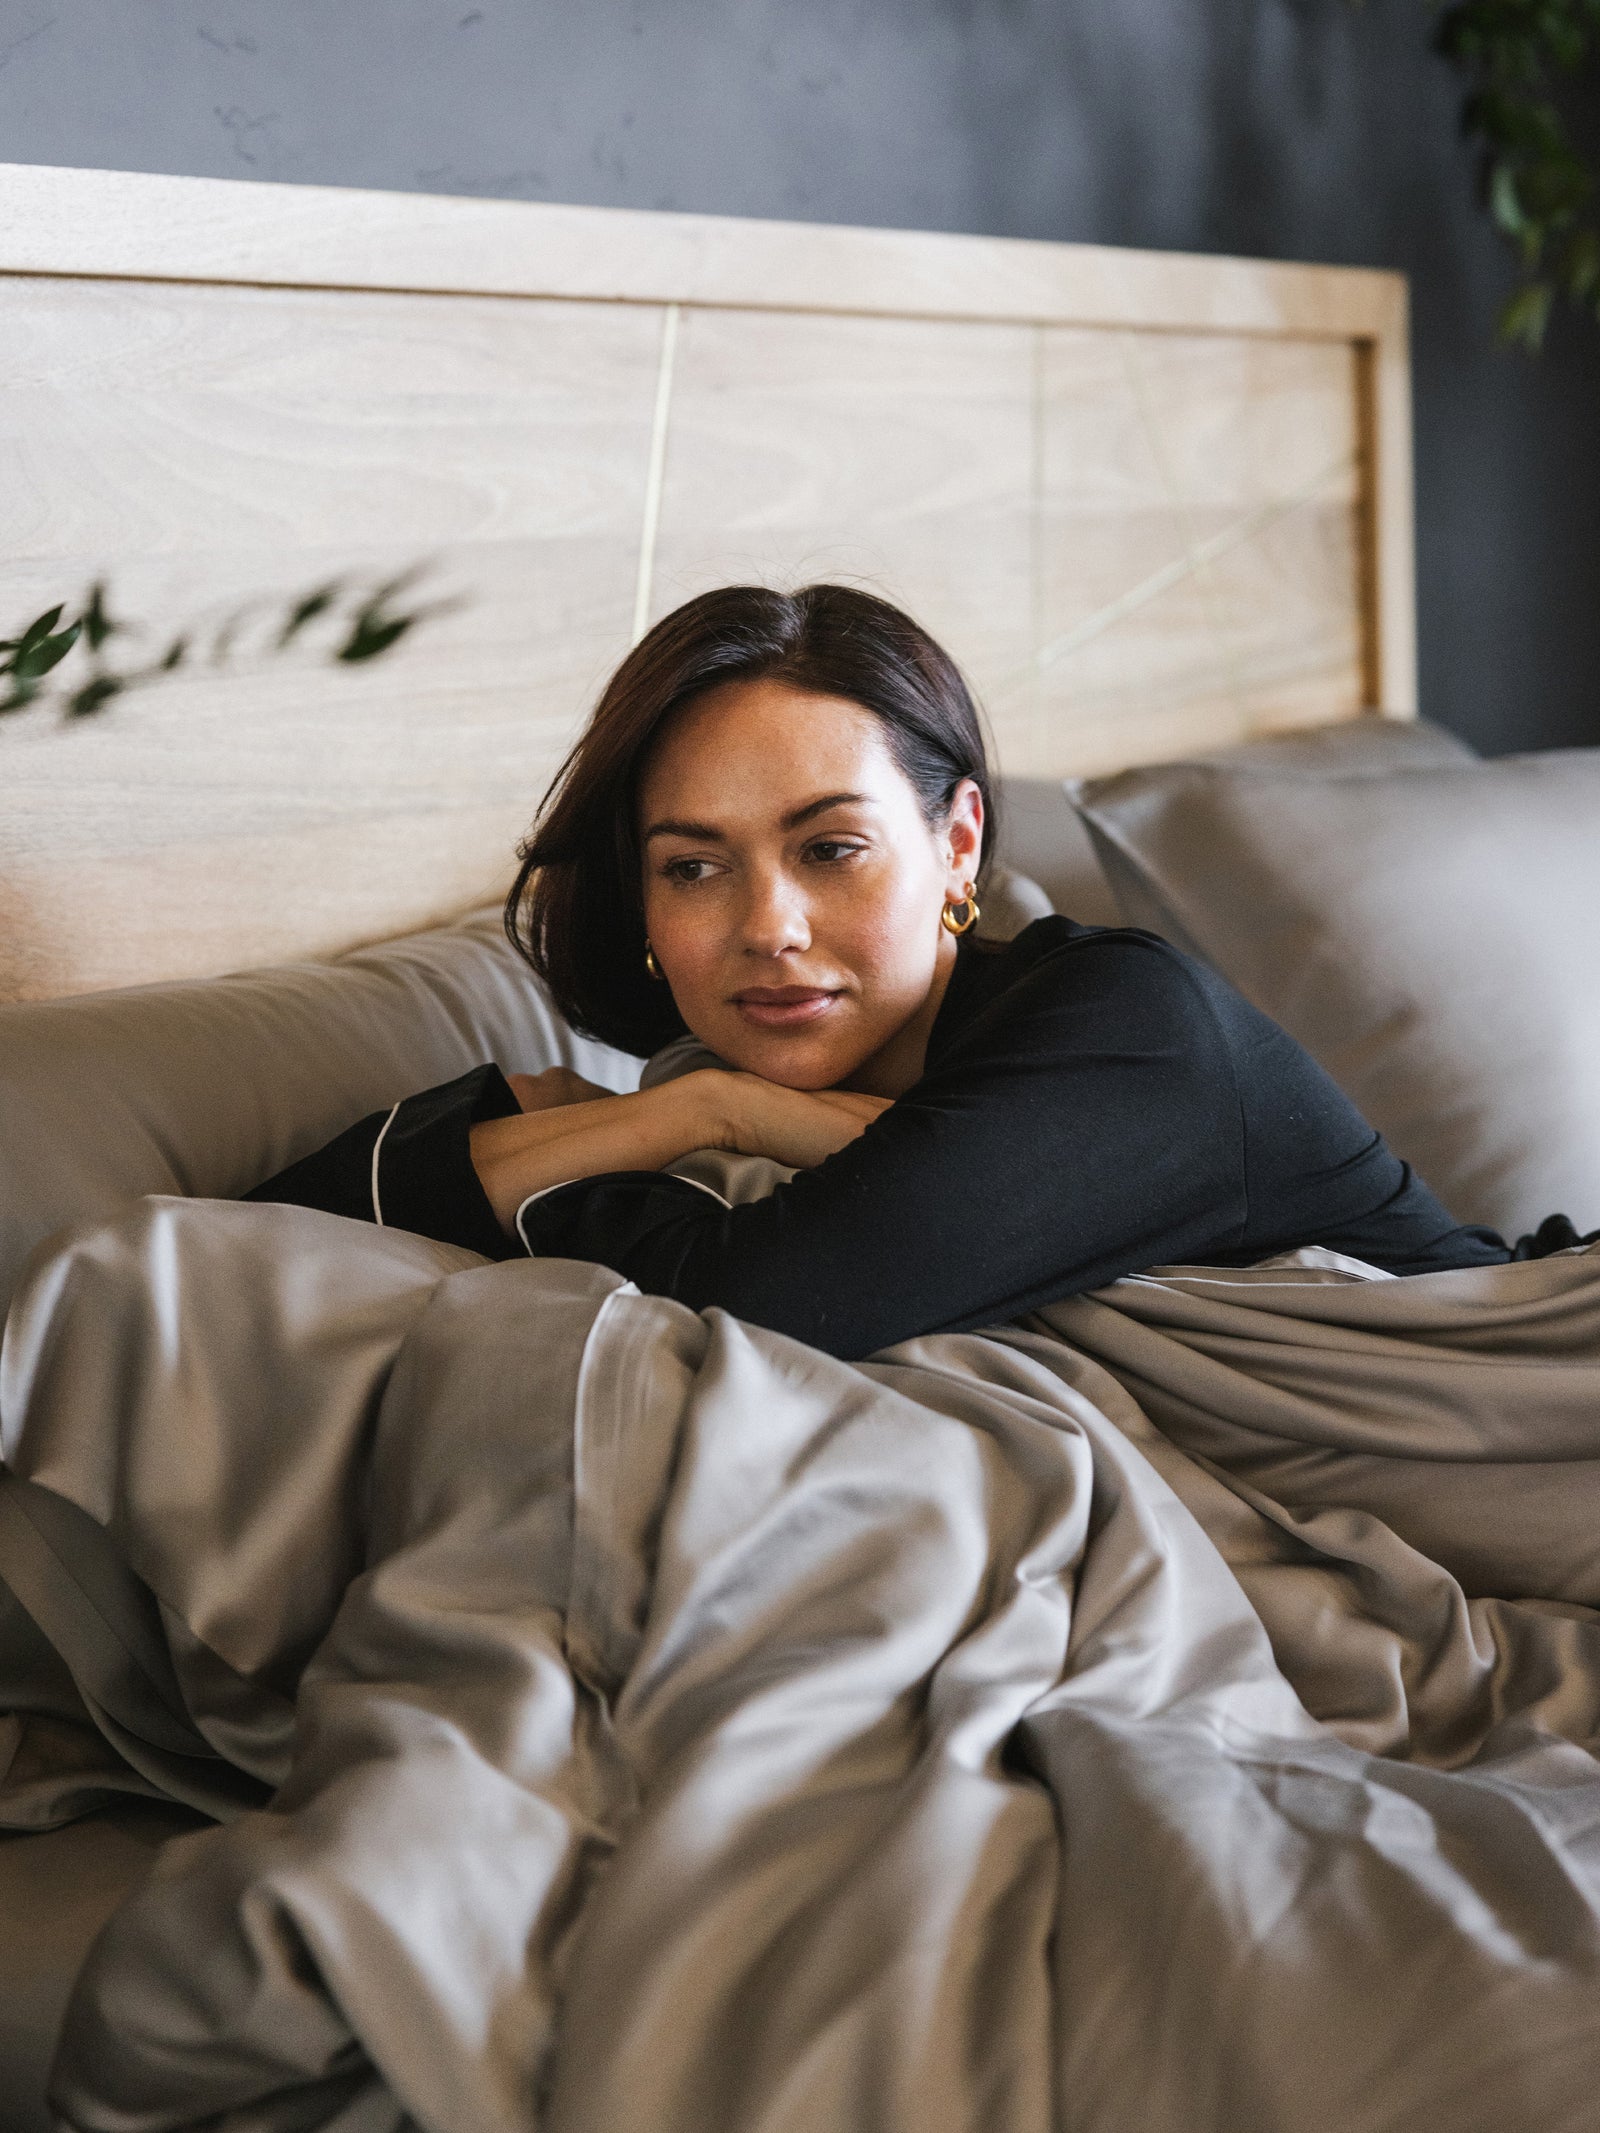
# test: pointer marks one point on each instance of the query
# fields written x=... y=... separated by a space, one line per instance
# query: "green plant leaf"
x=94 y=696
x=374 y=630
x=32 y=661
x=1503 y=202
x=371 y=634
x=1580 y=265
x=97 y=624
x=307 y=610
x=1526 y=316
x=1532 y=69
x=28 y=660
x=37 y=631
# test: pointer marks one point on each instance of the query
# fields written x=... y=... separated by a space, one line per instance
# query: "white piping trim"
x=699 y=1186
x=543 y=1193
x=545 y=1190
x=523 y=1206
x=377 y=1204
x=655 y=474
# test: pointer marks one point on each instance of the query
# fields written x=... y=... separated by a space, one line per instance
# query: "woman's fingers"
x=854 y=1101
x=859 y=1105
x=796 y=1127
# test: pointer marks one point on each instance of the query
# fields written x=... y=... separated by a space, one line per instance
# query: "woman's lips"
x=783 y=1006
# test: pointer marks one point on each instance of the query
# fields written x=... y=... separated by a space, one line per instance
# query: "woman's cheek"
x=694 y=979
x=893 y=943
x=683 y=935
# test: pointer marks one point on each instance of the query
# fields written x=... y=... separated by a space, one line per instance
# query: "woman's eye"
x=685 y=869
x=831 y=849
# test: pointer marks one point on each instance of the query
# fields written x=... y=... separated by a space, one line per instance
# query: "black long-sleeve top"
x=1093 y=1103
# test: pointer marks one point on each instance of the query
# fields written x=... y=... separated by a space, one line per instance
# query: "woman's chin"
x=794 y=1060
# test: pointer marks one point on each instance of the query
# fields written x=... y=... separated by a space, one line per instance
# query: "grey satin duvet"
x=1176 y=1715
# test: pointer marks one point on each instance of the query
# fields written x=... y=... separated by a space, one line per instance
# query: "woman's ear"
x=963 y=835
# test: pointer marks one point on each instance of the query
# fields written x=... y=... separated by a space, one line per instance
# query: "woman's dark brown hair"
x=576 y=909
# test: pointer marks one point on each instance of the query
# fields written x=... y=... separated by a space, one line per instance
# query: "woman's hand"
x=796 y=1127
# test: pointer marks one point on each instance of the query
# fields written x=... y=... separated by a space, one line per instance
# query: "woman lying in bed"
x=768 y=838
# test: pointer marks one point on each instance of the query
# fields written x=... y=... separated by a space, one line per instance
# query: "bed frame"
x=1151 y=502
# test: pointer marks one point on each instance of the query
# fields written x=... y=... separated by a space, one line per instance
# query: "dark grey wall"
x=1295 y=128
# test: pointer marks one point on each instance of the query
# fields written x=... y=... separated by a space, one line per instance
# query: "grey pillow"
x=1008 y=902
x=1354 y=747
x=209 y=1086
x=1043 y=838
x=1431 y=936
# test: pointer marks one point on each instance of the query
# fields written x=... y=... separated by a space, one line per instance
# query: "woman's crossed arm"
x=568 y=1129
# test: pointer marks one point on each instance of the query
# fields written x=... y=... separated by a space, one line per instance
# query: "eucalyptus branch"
x=1540 y=187
x=359 y=624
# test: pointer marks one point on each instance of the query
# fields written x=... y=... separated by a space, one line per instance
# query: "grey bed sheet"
x=1178 y=1712
x=57 y=1889
x=95 y=1832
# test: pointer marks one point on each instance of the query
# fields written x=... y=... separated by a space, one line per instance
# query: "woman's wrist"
x=704 y=1112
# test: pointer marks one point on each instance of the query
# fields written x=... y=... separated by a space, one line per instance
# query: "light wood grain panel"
x=894 y=453
x=204 y=445
x=1239 y=422
x=1199 y=512
x=130 y=223
x=1114 y=613
x=1261 y=443
x=166 y=417
x=1284 y=601
x=131 y=918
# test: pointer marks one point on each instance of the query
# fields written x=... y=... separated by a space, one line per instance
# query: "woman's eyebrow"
x=818 y=807
x=708 y=833
x=699 y=832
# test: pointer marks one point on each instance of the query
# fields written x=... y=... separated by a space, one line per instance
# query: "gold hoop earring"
x=650 y=962
x=967 y=905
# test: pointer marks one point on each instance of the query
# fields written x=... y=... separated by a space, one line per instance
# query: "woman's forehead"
x=762 y=748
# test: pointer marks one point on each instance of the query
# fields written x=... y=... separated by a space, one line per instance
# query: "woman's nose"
x=775 y=917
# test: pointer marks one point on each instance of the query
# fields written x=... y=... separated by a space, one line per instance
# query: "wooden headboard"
x=1150 y=501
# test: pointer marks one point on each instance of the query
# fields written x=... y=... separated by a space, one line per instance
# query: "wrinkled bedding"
x=1176 y=1713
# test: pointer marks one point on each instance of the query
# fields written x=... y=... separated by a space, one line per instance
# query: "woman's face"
x=792 y=888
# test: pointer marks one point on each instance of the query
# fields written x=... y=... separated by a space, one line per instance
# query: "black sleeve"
x=1081 y=1127
x=1556 y=1233
x=410 y=1167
